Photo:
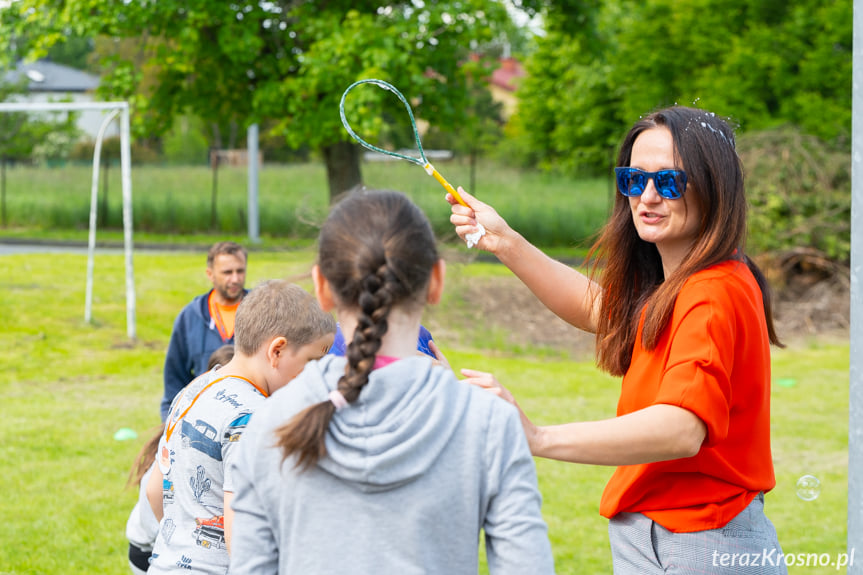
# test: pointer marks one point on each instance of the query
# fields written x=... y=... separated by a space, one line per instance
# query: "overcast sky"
x=520 y=18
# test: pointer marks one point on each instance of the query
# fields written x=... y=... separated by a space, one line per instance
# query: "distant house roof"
x=507 y=74
x=46 y=76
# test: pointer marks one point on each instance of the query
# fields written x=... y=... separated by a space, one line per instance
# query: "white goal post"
x=126 y=174
x=855 y=394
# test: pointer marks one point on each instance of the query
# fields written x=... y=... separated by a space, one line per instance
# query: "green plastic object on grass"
x=125 y=434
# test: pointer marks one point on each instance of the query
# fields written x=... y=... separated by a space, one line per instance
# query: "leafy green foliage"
x=566 y=123
x=287 y=61
x=82 y=152
x=74 y=51
x=27 y=137
x=185 y=144
x=763 y=63
x=482 y=129
x=800 y=193
x=54 y=146
x=13 y=126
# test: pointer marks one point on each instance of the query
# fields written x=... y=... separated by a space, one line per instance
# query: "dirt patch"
x=511 y=310
x=813 y=295
x=811 y=299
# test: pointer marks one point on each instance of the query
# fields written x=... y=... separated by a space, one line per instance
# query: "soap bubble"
x=808 y=488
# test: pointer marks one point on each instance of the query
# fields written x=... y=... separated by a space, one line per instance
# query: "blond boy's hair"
x=278 y=308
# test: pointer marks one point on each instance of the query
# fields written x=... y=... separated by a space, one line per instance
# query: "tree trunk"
x=232 y=135
x=214 y=217
x=217 y=136
x=3 y=188
x=343 y=168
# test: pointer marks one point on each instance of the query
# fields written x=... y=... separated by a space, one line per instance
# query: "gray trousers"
x=746 y=545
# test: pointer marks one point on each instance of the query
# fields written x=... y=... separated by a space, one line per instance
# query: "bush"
x=799 y=191
x=82 y=151
x=55 y=147
x=186 y=144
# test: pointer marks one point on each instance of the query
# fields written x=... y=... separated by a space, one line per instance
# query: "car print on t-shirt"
x=202 y=437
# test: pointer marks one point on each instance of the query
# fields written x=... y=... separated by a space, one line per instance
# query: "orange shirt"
x=714 y=360
x=222 y=316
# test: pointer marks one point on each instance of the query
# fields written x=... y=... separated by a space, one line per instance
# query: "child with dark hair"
x=382 y=461
x=221 y=356
x=142 y=524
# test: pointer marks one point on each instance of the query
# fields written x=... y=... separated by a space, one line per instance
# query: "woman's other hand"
x=489 y=383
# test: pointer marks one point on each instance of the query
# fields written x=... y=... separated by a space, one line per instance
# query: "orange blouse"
x=713 y=359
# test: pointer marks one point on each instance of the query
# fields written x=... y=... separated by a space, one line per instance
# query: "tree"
x=483 y=126
x=74 y=51
x=761 y=62
x=22 y=136
x=287 y=61
x=482 y=129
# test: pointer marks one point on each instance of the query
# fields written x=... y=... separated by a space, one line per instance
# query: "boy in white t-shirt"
x=279 y=328
x=142 y=525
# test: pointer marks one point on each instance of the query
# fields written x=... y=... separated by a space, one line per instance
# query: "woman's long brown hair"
x=630 y=269
x=377 y=251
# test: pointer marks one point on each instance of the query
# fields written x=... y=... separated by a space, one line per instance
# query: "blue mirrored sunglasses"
x=669 y=184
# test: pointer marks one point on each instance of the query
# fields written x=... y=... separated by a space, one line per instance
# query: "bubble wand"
x=422 y=160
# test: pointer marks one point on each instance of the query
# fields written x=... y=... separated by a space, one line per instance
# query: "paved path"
x=12 y=247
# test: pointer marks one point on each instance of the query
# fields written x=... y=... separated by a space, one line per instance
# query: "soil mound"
x=811 y=298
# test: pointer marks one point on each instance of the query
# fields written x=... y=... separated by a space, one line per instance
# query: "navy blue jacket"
x=193 y=340
x=339 y=344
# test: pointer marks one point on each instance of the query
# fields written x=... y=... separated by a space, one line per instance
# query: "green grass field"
x=293 y=199
x=67 y=387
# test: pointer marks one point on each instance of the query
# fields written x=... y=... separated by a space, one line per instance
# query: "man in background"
x=207 y=322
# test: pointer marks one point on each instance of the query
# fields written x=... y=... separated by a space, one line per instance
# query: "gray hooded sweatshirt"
x=415 y=468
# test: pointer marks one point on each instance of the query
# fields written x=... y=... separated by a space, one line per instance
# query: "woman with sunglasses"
x=685 y=317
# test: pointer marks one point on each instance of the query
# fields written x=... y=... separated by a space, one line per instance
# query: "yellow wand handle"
x=430 y=170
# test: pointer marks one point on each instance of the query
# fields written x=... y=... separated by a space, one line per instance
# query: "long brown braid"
x=376 y=250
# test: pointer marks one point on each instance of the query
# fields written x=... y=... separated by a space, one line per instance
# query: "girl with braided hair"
x=382 y=461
